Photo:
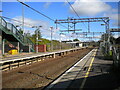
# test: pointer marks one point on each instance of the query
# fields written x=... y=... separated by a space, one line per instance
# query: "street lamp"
x=38 y=28
x=61 y=40
x=51 y=38
x=23 y=18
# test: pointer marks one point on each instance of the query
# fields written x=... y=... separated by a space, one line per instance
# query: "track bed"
x=40 y=74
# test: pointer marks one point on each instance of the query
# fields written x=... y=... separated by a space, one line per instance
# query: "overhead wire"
x=73 y=9
x=36 y=10
x=28 y=25
x=78 y=15
x=16 y=20
x=39 y=12
x=75 y=12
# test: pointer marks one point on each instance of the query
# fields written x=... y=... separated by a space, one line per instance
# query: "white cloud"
x=54 y=0
x=64 y=37
x=31 y=22
x=28 y=22
x=114 y=16
x=47 y=4
x=47 y=33
x=88 y=8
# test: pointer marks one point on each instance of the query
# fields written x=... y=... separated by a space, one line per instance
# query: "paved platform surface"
x=91 y=72
x=32 y=55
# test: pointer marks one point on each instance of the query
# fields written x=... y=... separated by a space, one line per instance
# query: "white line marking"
x=52 y=84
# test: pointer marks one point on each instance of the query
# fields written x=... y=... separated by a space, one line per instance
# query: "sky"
x=61 y=10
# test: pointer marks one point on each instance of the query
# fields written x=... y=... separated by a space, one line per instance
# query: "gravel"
x=40 y=74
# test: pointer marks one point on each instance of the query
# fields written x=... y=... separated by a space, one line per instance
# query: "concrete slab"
x=91 y=72
x=66 y=79
x=20 y=57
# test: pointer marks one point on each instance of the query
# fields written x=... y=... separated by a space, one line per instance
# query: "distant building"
x=74 y=43
x=115 y=30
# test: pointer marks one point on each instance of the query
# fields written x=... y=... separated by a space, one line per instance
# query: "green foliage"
x=34 y=36
x=21 y=31
x=37 y=32
x=44 y=41
x=55 y=42
x=75 y=39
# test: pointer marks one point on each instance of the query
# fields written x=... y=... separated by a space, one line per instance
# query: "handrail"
x=13 y=30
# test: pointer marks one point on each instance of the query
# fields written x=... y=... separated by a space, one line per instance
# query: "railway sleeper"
x=5 y=67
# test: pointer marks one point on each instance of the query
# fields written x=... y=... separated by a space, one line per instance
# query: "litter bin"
x=13 y=52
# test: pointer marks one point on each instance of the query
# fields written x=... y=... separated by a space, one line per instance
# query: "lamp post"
x=61 y=40
x=51 y=38
x=1 y=42
x=23 y=18
x=38 y=28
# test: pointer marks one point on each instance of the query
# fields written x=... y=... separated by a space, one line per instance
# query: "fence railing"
x=13 y=30
x=116 y=55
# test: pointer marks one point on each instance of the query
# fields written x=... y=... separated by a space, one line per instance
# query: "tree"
x=21 y=31
x=34 y=36
x=75 y=39
x=39 y=34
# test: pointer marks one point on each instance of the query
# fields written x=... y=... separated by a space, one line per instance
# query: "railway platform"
x=91 y=72
x=8 y=63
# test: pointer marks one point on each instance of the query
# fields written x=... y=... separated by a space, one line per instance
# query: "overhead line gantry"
x=81 y=20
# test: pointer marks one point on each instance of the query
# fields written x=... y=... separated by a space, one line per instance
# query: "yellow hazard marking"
x=87 y=73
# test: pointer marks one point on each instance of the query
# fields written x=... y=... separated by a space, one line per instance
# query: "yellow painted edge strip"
x=89 y=67
x=87 y=73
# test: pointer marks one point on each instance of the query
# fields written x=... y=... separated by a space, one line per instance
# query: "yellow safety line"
x=87 y=73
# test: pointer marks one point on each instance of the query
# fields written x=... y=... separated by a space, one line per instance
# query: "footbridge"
x=8 y=32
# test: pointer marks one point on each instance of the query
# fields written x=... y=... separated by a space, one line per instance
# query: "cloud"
x=47 y=4
x=47 y=33
x=64 y=37
x=88 y=8
x=28 y=23
x=94 y=8
x=114 y=16
x=111 y=16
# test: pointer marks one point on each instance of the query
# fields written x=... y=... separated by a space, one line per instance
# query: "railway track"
x=40 y=74
x=14 y=62
x=66 y=79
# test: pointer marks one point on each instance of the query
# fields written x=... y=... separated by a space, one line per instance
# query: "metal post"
x=23 y=18
x=88 y=26
x=51 y=38
x=74 y=26
x=0 y=43
x=60 y=41
x=0 y=30
x=106 y=28
x=18 y=47
x=37 y=43
x=56 y=25
x=29 y=47
x=3 y=47
x=38 y=28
